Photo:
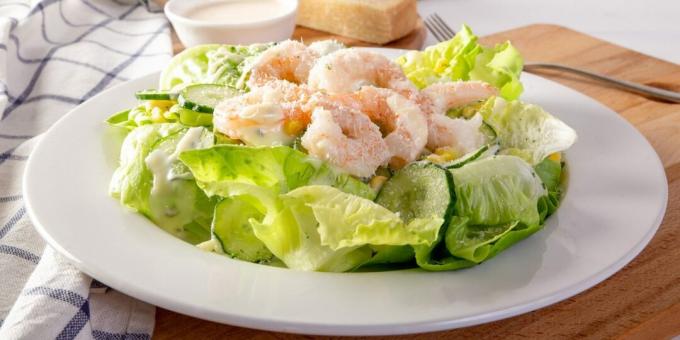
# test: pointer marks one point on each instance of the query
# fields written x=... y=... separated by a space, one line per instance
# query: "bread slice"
x=375 y=21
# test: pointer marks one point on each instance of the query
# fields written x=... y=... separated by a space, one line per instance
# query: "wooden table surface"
x=642 y=301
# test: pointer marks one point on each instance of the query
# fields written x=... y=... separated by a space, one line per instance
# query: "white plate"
x=615 y=202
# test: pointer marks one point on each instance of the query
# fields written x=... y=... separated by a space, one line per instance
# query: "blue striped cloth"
x=55 y=54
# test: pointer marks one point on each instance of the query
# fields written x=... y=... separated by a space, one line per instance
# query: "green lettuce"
x=497 y=205
x=257 y=176
x=550 y=172
x=501 y=67
x=279 y=169
x=463 y=58
x=172 y=202
x=213 y=64
x=526 y=130
x=122 y=119
x=137 y=116
x=474 y=242
x=157 y=112
x=389 y=255
x=322 y=228
x=308 y=215
x=346 y=220
x=291 y=234
x=497 y=190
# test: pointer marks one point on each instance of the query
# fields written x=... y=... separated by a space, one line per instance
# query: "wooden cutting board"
x=642 y=301
x=412 y=41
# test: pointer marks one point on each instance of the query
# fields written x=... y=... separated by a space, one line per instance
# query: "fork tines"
x=438 y=27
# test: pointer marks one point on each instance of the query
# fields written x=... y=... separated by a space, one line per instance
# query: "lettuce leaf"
x=435 y=257
x=347 y=220
x=293 y=237
x=497 y=190
x=289 y=231
x=496 y=197
x=463 y=58
x=212 y=64
x=550 y=172
x=305 y=213
x=276 y=168
x=497 y=205
x=501 y=67
x=179 y=207
x=474 y=242
x=258 y=175
x=388 y=255
x=322 y=228
x=526 y=130
x=149 y=112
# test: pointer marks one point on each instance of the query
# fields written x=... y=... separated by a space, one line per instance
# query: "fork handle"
x=650 y=91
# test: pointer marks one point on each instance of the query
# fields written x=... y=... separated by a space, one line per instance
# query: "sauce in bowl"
x=237 y=11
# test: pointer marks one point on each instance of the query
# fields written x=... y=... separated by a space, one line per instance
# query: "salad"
x=327 y=158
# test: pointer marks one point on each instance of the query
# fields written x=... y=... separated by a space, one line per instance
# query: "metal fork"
x=441 y=31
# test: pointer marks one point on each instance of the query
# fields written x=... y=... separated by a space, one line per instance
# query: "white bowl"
x=194 y=32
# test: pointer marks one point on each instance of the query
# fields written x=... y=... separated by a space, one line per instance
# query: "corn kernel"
x=437 y=159
x=443 y=155
x=557 y=157
x=161 y=104
x=293 y=127
x=157 y=115
x=377 y=182
x=397 y=163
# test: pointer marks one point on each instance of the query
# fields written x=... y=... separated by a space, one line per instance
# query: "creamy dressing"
x=257 y=135
x=212 y=245
x=189 y=141
x=238 y=11
x=160 y=163
x=172 y=211
x=266 y=120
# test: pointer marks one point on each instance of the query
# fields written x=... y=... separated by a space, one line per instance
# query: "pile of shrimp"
x=350 y=107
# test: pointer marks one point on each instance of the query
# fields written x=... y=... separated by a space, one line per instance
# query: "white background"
x=651 y=27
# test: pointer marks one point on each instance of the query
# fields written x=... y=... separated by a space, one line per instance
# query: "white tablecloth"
x=55 y=54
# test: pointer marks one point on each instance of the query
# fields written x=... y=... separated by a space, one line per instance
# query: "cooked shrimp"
x=347 y=70
x=346 y=139
x=460 y=134
x=445 y=96
x=408 y=140
x=271 y=114
x=324 y=47
x=400 y=120
x=289 y=61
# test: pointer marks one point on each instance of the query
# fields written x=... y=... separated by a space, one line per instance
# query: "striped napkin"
x=55 y=54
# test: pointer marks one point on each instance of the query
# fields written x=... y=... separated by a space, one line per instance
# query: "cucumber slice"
x=231 y=227
x=455 y=164
x=419 y=190
x=204 y=97
x=193 y=118
x=155 y=95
